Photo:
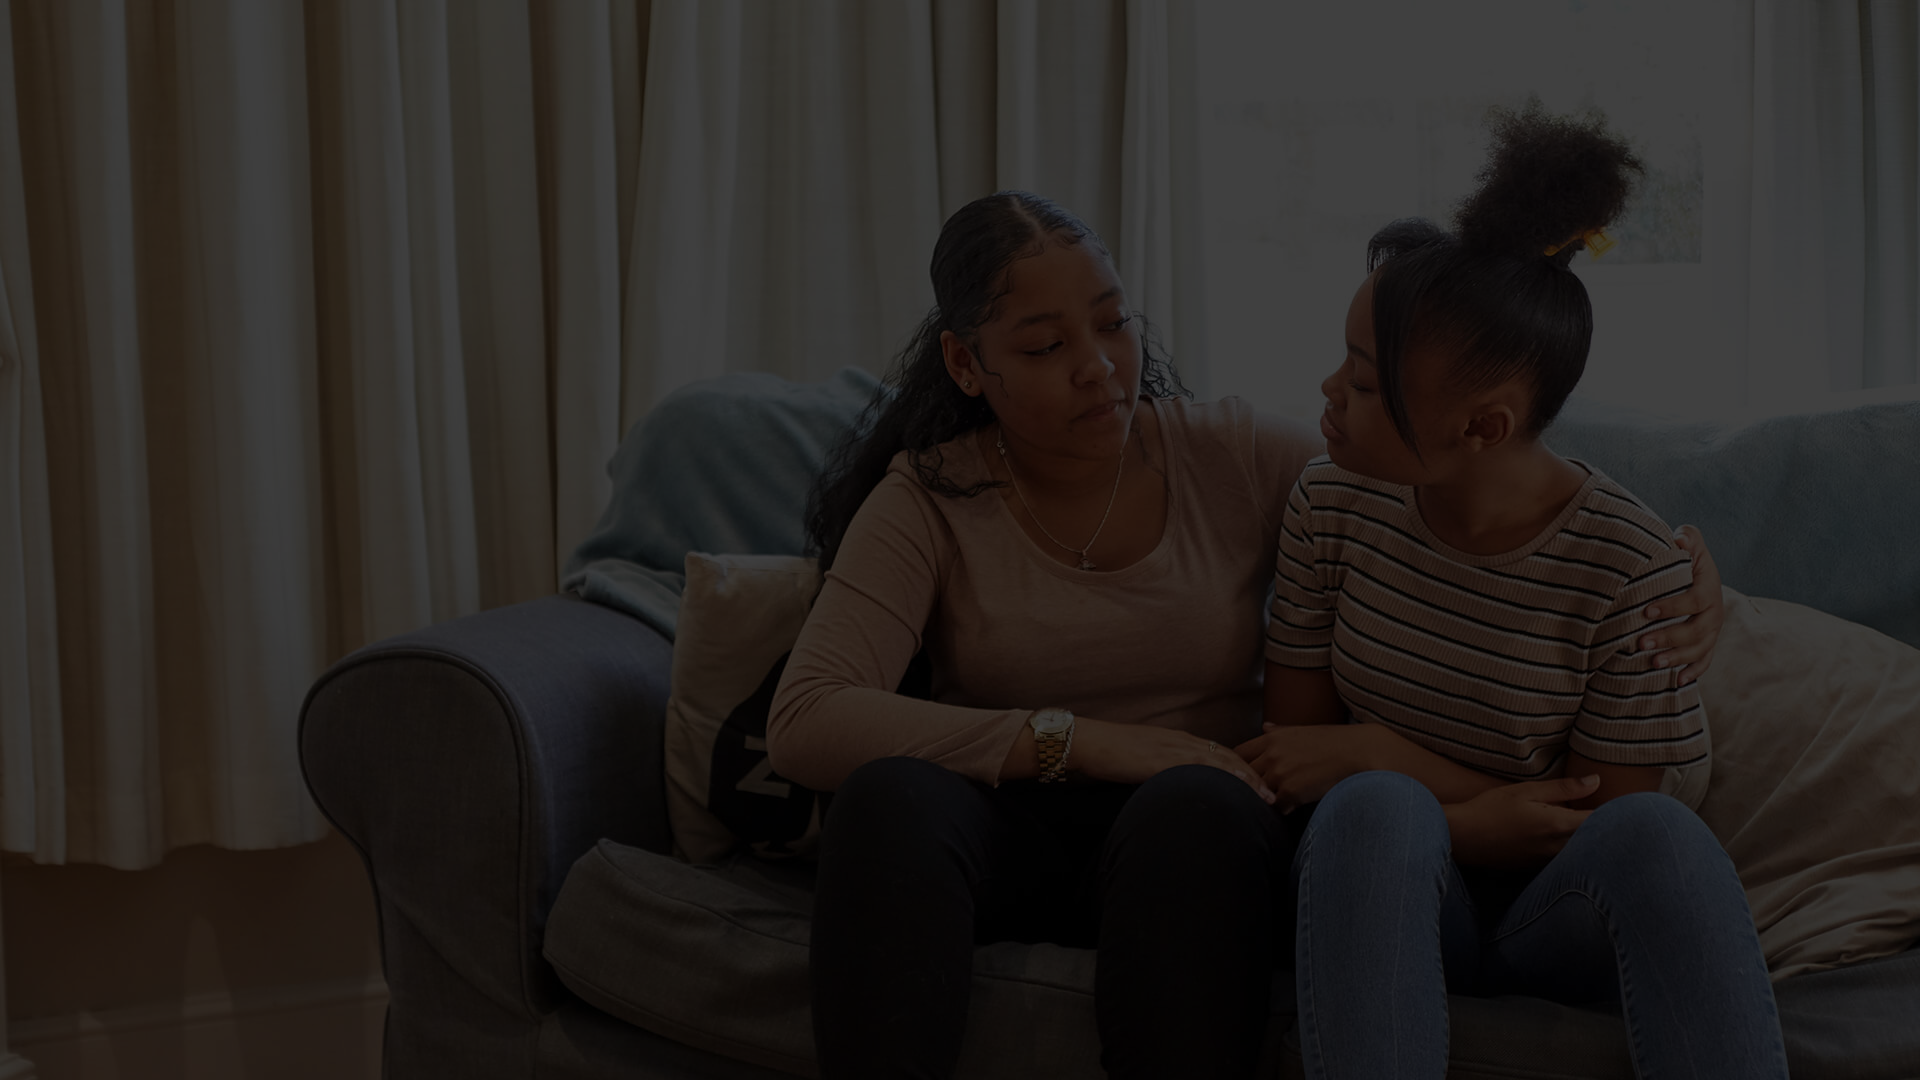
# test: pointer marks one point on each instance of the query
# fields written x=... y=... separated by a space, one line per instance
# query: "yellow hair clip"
x=1597 y=242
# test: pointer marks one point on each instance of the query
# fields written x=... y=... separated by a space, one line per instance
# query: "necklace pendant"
x=1000 y=444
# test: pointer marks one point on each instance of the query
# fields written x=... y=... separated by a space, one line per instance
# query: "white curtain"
x=798 y=161
x=319 y=320
x=1832 y=201
x=308 y=336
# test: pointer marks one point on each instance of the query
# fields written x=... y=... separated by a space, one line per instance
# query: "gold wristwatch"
x=1053 y=738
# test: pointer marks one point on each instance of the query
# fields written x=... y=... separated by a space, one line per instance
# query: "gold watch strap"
x=1053 y=756
x=1052 y=749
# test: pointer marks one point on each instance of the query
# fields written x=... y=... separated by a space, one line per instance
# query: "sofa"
x=501 y=776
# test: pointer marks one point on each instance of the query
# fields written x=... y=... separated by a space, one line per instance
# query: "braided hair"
x=917 y=407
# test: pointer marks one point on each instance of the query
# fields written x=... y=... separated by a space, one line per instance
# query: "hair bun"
x=1547 y=179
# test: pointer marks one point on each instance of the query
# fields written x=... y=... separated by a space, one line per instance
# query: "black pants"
x=1180 y=883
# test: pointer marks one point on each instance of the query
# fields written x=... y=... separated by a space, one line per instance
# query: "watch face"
x=1052 y=722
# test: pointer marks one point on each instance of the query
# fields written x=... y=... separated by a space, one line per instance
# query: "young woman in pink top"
x=1083 y=557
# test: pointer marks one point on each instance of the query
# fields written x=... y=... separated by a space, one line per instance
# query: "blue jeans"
x=1641 y=909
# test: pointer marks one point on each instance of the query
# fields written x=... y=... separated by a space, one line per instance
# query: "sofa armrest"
x=472 y=763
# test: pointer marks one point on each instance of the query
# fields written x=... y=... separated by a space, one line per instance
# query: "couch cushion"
x=739 y=617
x=712 y=957
x=1819 y=509
x=1518 y=1038
x=1855 y=1022
x=1816 y=773
x=716 y=957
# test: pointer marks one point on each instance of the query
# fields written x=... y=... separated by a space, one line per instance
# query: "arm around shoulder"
x=1637 y=718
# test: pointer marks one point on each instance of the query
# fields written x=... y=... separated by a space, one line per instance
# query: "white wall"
x=1321 y=122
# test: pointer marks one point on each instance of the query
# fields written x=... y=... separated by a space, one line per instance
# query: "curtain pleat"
x=628 y=27
x=1061 y=107
x=1890 y=85
x=32 y=766
x=583 y=277
x=234 y=439
x=1832 y=288
x=1185 y=250
x=440 y=369
x=78 y=181
x=797 y=162
x=320 y=319
x=789 y=190
x=367 y=320
x=676 y=298
x=277 y=376
x=502 y=298
x=965 y=100
x=899 y=127
x=1146 y=156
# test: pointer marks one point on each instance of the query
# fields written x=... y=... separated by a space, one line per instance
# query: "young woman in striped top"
x=1477 y=604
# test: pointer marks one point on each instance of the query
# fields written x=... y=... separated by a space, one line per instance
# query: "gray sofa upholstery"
x=474 y=763
x=471 y=763
x=489 y=766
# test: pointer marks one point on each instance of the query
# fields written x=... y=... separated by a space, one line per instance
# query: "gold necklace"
x=1000 y=443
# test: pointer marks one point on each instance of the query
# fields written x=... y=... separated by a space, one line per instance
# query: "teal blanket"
x=1822 y=510
x=721 y=465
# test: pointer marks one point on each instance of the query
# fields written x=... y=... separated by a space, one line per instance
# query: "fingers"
x=1692 y=672
x=1704 y=594
x=1690 y=602
x=1565 y=821
x=1674 y=646
x=1684 y=656
x=1705 y=591
x=1258 y=785
x=1686 y=639
x=1684 y=643
x=1565 y=789
x=1700 y=628
x=1229 y=760
x=1688 y=645
x=1689 y=540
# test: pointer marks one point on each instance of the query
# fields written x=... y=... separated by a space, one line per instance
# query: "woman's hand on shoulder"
x=1522 y=824
x=1135 y=753
x=1688 y=645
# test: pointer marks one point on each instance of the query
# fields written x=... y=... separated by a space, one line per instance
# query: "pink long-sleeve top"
x=1176 y=639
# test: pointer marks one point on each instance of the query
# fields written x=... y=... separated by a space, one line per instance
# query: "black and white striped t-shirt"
x=1500 y=662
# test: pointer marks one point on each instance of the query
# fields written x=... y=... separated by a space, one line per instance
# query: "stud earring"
x=966 y=384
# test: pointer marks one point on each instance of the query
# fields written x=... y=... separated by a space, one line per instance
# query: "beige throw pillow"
x=739 y=618
x=1815 y=785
